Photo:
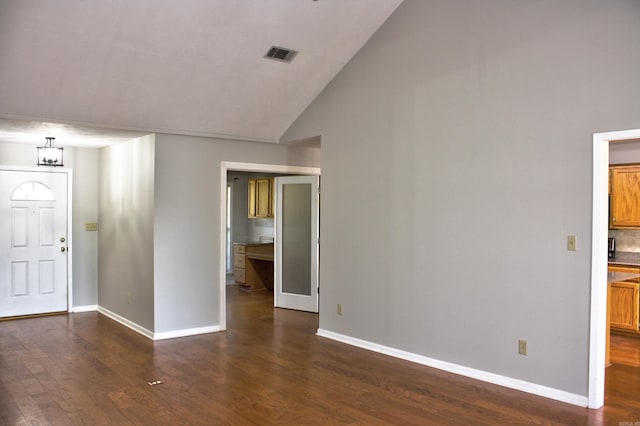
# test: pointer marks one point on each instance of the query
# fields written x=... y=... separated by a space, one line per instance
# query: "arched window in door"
x=32 y=191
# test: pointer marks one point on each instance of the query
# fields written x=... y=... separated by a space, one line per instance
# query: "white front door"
x=296 y=243
x=33 y=242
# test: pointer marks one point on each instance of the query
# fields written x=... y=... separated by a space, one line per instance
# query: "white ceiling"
x=113 y=69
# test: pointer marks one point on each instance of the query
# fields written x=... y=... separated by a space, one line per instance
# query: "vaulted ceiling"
x=193 y=67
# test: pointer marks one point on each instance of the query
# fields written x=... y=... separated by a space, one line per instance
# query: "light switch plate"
x=90 y=226
x=522 y=347
x=571 y=243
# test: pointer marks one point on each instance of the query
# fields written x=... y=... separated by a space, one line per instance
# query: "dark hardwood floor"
x=268 y=368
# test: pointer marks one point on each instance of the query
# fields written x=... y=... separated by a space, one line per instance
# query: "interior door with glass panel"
x=33 y=233
x=296 y=243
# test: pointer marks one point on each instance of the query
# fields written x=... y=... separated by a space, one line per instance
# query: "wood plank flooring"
x=268 y=368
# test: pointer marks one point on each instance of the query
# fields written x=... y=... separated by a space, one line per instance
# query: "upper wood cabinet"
x=261 y=198
x=624 y=185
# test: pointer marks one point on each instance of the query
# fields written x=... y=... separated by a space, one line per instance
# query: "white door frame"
x=599 y=232
x=227 y=166
x=69 y=256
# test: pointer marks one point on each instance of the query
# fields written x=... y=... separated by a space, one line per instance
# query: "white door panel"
x=33 y=234
x=296 y=243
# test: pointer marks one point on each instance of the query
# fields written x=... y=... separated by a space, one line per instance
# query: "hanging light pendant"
x=49 y=155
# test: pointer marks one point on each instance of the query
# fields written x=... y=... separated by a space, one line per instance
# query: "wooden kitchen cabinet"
x=239 y=269
x=624 y=306
x=253 y=266
x=623 y=303
x=624 y=186
x=261 y=198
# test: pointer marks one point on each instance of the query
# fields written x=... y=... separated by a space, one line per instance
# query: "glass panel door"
x=296 y=243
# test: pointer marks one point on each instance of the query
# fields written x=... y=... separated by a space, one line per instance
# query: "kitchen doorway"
x=227 y=167
x=599 y=245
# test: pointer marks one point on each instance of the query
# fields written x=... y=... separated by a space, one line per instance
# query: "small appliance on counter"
x=612 y=248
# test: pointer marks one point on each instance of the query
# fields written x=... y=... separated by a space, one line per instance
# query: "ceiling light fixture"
x=49 y=155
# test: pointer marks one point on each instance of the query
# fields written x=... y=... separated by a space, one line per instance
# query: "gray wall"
x=240 y=220
x=624 y=152
x=456 y=159
x=126 y=230
x=85 y=209
x=156 y=208
x=84 y=162
x=187 y=222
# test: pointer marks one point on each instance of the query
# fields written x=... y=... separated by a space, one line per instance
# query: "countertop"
x=616 y=277
x=254 y=243
x=258 y=250
x=625 y=258
x=267 y=257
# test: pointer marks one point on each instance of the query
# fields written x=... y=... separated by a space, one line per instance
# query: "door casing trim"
x=231 y=166
x=599 y=234
x=69 y=173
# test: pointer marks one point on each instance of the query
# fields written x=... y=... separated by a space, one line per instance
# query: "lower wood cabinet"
x=624 y=306
x=624 y=301
x=239 y=263
x=253 y=266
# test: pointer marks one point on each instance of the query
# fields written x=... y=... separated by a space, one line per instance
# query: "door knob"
x=62 y=249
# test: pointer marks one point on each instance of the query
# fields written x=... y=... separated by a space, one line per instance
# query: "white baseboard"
x=85 y=308
x=157 y=336
x=496 y=379
x=127 y=323
x=186 y=332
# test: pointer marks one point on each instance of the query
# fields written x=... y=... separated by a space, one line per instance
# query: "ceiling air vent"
x=281 y=54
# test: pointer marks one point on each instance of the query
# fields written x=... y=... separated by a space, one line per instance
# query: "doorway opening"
x=227 y=167
x=599 y=246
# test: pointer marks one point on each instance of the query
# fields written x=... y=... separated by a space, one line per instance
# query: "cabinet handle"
x=613 y=219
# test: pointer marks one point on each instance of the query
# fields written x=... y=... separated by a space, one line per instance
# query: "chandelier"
x=49 y=155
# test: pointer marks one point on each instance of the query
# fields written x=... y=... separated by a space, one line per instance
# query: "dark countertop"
x=626 y=258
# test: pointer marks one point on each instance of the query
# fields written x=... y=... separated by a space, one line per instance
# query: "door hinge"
x=318 y=290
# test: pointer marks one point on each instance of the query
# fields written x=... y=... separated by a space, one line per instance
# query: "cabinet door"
x=625 y=197
x=239 y=275
x=252 y=198
x=263 y=198
x=624 y=306
x=239 y=263
x=260 y=198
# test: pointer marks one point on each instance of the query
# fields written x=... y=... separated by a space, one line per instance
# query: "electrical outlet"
x=522 y=347
x=571 y=243
x=339 y=309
